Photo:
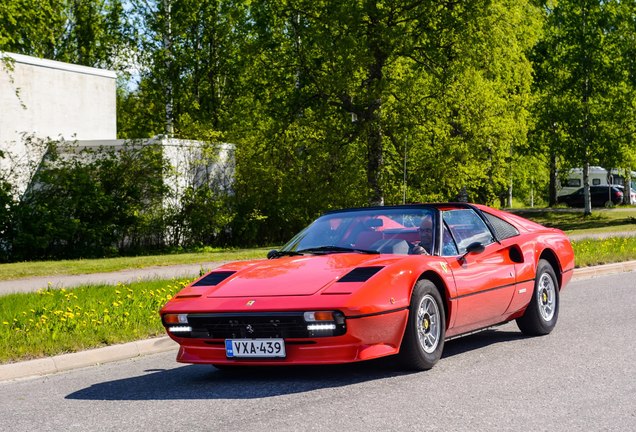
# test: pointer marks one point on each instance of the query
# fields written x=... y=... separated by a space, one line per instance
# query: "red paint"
x=480 y=289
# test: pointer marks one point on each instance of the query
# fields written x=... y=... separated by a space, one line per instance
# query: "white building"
x=47 y=99
x=51 y=100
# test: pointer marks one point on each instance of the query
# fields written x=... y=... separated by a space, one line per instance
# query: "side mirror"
x=272 y=254
x=473 y=248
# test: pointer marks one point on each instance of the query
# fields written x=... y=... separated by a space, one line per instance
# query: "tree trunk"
x=375 y=77
x=167 y=42
x=586 y=190
x=627 y=198
x=374 y=162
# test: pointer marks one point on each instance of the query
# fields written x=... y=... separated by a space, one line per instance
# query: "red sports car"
x=363 y=283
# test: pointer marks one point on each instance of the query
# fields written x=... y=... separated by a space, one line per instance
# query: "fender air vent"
x=213 y=278
x=360 y=274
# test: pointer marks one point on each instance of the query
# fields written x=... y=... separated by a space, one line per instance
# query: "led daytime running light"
x=320 y=327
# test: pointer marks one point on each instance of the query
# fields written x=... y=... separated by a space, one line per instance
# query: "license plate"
x=254 y=348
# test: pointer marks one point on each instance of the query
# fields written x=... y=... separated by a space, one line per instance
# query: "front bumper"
x=365 y=338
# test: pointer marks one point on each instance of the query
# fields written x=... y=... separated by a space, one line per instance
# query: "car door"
x=485 y=281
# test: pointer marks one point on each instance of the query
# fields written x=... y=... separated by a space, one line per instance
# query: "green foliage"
x=585 y=84
x=344 y=88
x=87 y=32
x=592 y=252
x=205 y=216
x=338 y=103
x=52 y=322
x=90 y=203
x=31 y=26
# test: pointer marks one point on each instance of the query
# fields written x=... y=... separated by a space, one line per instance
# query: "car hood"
x=291 y=276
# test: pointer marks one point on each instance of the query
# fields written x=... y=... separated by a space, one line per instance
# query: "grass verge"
x=51 y=322
x=85 y=266
x=572 y=221
x=590 y=252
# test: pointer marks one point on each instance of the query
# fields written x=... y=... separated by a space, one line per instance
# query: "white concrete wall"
x=50 y=99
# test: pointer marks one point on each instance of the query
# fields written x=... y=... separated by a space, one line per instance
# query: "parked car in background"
x=632 y=193
x=598 y=176
x=601 y=196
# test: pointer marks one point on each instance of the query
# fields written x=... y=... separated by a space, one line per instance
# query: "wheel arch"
x=550 y=256
x=439 y=283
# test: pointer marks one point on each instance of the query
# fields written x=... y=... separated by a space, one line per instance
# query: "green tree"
x=190 y=67
x=585 y=84
x=88 y=32
x=31 y=27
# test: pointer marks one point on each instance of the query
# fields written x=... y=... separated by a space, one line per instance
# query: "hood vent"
x=360 y=274
x=214 y=278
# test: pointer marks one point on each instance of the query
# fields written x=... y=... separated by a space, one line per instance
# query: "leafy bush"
x=86 y=202
x=90 y=203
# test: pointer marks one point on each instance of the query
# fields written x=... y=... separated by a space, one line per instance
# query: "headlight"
x=325 y=323
x=177 y=323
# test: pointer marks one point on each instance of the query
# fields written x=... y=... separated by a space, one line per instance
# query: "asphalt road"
x=582 y=377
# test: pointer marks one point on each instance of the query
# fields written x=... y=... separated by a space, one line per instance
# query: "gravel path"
x=123 y=276
x=602 y=235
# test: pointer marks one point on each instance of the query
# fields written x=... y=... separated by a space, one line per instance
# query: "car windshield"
x=383 y=230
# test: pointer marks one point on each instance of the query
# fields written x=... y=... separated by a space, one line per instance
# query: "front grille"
x=253 y=325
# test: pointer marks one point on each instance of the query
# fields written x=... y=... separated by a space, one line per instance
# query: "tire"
x=543 y=311
x=423 y=340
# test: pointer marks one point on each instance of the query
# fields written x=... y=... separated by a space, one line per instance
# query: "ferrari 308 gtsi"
x=364 y=283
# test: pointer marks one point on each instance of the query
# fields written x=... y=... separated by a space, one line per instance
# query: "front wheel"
x=423 y=340
x=543 y=311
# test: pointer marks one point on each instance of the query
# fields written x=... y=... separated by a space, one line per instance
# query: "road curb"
x=93 y=357
x=603 y=270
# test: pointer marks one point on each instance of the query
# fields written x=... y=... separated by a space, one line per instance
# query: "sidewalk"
x=123 y=276
x=604 y=235
x=65 y=362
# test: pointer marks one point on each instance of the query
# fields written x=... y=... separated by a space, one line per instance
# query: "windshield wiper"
x=277 y=254
x=337 y=249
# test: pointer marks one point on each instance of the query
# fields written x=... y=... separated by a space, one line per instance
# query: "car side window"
x=449 y=248
x=467 y=227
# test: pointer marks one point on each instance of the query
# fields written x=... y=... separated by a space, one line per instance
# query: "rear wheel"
x=543 y=311
x=423 y=340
